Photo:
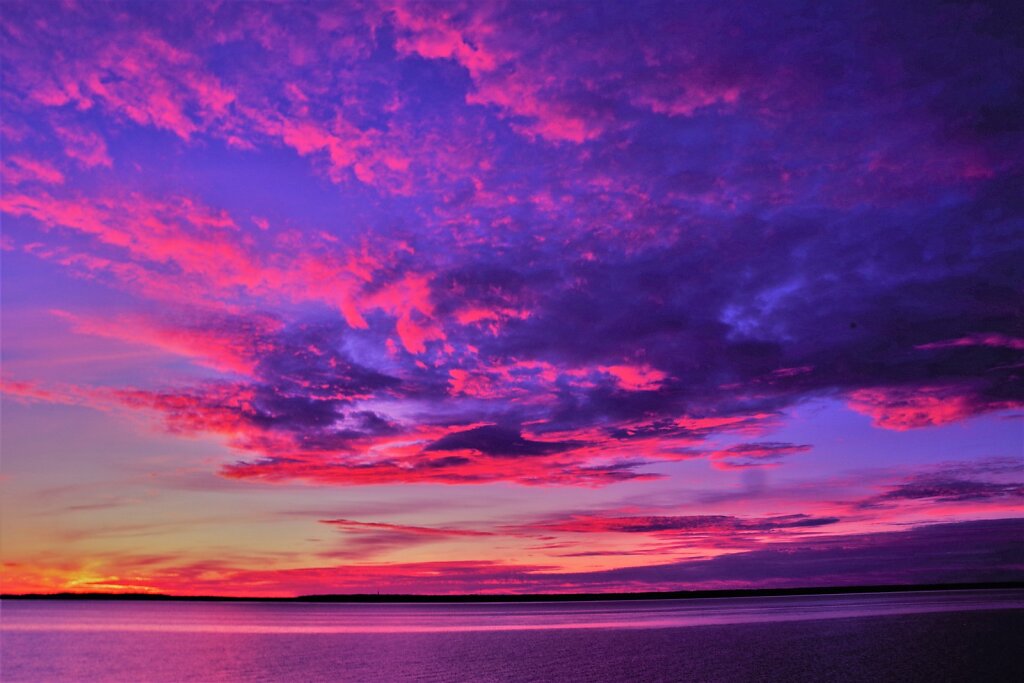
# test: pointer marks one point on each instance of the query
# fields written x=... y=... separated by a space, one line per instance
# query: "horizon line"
x=530 y=597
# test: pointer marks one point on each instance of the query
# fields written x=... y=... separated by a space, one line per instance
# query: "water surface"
x=962 y=635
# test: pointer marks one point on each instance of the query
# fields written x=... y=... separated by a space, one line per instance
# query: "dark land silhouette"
x=534 y=597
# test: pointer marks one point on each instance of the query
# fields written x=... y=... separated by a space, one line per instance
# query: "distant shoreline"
x=532 y=597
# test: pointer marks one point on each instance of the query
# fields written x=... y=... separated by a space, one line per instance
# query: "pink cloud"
x=351 y=525
x=410 y=300
x=683 y=99
x=464 y=382
x=552 y=120
x=206 y=246
x=635 y=377
x=142 y=78
x=30 y=391
x=673 y=524
x=490 y=318
x=756 y=454
x=432 y=35
x=453 y=470
x=913 y=407
x=502 y=79
x=991 y=340
x=409 y=453
x=20 y=169
x=515 y=380
x=85 y=146
x=235 y=349
x=307 y=138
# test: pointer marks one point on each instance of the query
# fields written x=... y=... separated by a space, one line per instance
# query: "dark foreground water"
x=941 y=636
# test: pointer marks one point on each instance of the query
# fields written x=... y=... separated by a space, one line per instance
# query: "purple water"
x=966 y=635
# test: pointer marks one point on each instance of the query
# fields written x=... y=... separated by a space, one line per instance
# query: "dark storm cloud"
x=498 y=441
x=988 y=550
x=679 y=524
x=941 y=489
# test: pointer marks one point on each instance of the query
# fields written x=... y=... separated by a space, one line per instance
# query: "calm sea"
x=940 y=636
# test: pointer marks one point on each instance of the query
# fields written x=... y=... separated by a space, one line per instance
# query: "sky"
x=505 y=297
